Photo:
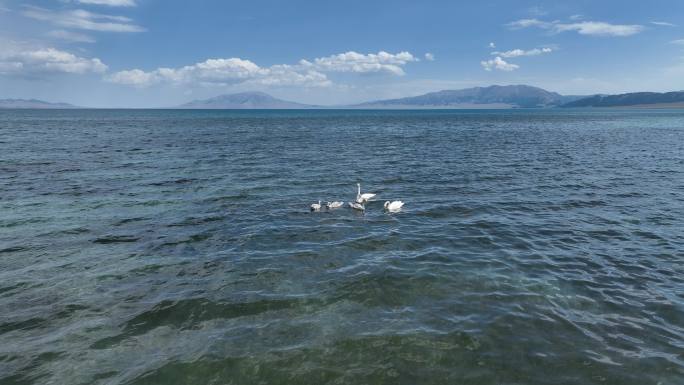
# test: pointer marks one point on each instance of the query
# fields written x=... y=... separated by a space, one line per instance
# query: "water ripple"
x=175 y=247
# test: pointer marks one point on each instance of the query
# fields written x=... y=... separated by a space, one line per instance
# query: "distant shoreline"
x=660 y=106
x=666 y=106
x=493 y=97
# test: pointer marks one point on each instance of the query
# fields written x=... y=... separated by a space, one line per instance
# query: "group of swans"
x=359 y=204
x=328 y=205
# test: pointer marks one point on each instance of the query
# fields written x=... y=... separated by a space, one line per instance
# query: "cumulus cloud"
x=429 y=57
x=492 y=45
x=594 y=28
x=81 y=19
x=47 y=60
x=111 y=3
x=359 y=63
x=134 y=77
x=237 y=70
x=223 y=72
x=498 y=64
x=520 y=52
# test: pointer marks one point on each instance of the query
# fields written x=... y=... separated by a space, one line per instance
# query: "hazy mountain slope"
x=513 y=96
x=32 y=103
x=244 y=100
x=630 y=99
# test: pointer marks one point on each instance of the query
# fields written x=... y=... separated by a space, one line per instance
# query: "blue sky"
x=155 y=53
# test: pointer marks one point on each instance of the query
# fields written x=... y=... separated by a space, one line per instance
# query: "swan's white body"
x=316 y=206
x=334 y=205
x=357 y=206
x=393 y=206
x=362 y=198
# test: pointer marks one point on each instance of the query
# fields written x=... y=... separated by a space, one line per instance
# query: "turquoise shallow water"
x=176 y=247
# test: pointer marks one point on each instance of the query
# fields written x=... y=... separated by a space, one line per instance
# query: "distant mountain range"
x=645 y=99
x=244 y=100
x=516 y=96
x=32 y=103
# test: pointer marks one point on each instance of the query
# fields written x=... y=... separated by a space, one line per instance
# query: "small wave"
x=173 y=182
x=116 y=239
x=128 y=220
x=13 y=249
x=193 y=221
x=189 y=314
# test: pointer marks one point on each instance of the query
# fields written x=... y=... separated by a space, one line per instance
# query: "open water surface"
x=177 y=247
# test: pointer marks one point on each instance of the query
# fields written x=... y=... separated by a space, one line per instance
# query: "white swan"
x=393 y=206
x=316 y=206
x=362 y=198
x=357 y=206
x=333 y=205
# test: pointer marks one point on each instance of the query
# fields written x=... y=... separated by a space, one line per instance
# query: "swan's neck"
x=358 y=186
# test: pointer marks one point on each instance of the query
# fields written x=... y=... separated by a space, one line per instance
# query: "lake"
x=177 y=247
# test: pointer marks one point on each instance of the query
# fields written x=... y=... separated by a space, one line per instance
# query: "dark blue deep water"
x=177 y=247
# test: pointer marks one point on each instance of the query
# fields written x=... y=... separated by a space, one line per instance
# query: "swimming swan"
x=393 y=206
x=333 y=205
x=316 y=206
x=362 y=198
x=357 y=206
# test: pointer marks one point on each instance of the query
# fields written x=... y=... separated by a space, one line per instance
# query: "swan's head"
x=387 y=204
x=358 y=184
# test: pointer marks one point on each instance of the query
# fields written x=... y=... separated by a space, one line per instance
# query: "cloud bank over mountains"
x=498 y=64
x=236 y=70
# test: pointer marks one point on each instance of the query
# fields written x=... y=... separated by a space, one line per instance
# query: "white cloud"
x=595 y=28
x=429 y=56
x=223 y=72
x=520 y=52
x=111 y=3
x=81 y=19
x=46 y=60
x=134 y=77
x=499 y=64
x=240 y=71
x=359 y=63
x=680 y=42
x=663 y=24
x=71 y=36
x=600 y=28
x=526 y=23
x=492 y=45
